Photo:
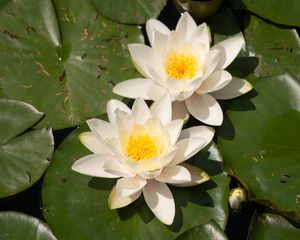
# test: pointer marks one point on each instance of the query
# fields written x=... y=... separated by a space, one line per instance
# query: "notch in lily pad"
x=25 y=153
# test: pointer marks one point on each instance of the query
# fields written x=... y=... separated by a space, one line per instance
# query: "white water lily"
x=182 y=65
x=145 y=149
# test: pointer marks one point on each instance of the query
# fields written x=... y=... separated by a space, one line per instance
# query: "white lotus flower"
x=145 y=149
x=182 y=65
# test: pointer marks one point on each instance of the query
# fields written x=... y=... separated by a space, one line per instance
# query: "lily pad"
x=130 y=11
x=76 y=207
x=24 y=156
x=283 y=12
x=16 y=226
x=272 y=226
x=260 y=143
x=277 y=48
x=63 y=57
x=209 y=231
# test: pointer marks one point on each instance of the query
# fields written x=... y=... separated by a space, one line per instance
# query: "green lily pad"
x=76 y=207
x=271 y=226
x=278 y=11
x=209 y=231
x=260 y=139
x=63 y=57
x=130 y=11
x=16 y=226
x=24 y=156
x=277 y=48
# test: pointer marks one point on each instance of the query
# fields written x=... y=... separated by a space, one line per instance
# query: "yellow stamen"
x=181 y=65
x=141 y=147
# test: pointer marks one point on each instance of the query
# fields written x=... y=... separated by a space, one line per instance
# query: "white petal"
x=215 y=82
x=140 y=111
x=187 y=148
x=229 y=48
x=146 y=62
x=139 y=87
x=176 y=41
x=115 y=201
x=126 y=187
x=201 y=36
x=186 y=26
x=205 y=108
x=93 y=143
x=117 y=168
x=162 y=110
x=180 y=111
x=92 y=165
x=174 y=174
x=159 y=43
x=207 y=133
x=211 y=62
x=112 y=106
x=160 y=200
x=174 y=129
x=153 y=25
x=101 y=128
x=235 y=88
x=198 y=176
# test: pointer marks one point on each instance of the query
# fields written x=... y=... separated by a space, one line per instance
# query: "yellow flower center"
x=181 y=65
x=141 y=147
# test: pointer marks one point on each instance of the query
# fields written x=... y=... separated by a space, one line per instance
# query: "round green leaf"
x=260 y=143
x=63 y=57
x=277 y=48
x=23 y=156
x=16 y=226
x=209 y=231
x=76 y=207
x=270 y=226
x=278 y=11
x=130 y=11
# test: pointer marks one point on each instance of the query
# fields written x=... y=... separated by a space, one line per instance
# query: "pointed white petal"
x=229 y=49
x=175 y=41
x=205 y=108
x=180 y=111
x=146 y=61
x=160 y=200
x=139 y=87
x=211 y=63
x=117 y=168
x=153 y=25
x=215 y=82
x=126 y=187
x=159 y=43
x=140 y=111
x=102 y=128
x=174 y=129
x=162 y=110
x=112 y=106
x=92 y=165
x=186 y=26
x=174 y=174
x=235 y=88
x=198 y=176
x=207 y=133
x=201 y=36
x=187 y=148
x=115 y=201
x=93 y=143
